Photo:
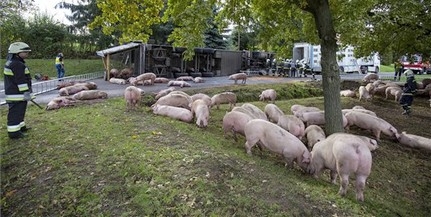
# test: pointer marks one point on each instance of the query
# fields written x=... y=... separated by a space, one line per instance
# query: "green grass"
x=72 y=66
x=99 y=160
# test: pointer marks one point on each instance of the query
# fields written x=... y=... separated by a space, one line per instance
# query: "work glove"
x=27 y=96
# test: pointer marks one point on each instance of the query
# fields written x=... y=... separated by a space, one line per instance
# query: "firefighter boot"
x=25 y=129
x=16 y=135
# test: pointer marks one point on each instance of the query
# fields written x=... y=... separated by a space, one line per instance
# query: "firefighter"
x=17 y=84
x=59 y=65
x=408 y=91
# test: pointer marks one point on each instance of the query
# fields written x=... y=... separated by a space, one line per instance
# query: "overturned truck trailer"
x=167 y=61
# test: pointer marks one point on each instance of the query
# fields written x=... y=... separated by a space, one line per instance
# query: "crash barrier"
x=49 y=85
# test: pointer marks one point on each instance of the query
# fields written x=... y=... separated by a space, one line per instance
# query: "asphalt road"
x=115 y=90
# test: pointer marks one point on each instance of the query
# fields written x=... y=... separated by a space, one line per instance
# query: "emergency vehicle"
x=347 y=62
x=415 y=63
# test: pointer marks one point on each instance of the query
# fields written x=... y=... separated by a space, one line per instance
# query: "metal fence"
x=49 y=85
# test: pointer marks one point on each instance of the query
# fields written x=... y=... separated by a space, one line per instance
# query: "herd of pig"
x=375 y=86
x=298 y=137
x=286 y=134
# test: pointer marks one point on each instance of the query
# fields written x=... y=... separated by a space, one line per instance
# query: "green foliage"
x=134 y=21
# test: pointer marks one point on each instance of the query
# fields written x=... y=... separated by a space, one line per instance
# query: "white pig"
x=414 y=141
x=268 y=94
x=370 y=77
x=364 y=94
x=234 y=122
x=277 y=140
x=181 y=114
x=132 y=95
x=203 y=97
x=200 y=110
x=179 y=84
x=175 y=99
x=239 y=76
x=224 y=98
x=348 y=93
x=292 y=124
x=314 y=134
x=164 y=92
x=375 y=124
x=394 y=91
x=317 y=118
x=342 y=154
x=255 y=111
x=273 y=112
x=90 y=94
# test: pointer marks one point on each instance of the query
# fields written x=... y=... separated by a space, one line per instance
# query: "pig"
x=114 y=73
x=317 y=118
x=203 y=97
x=314 y=134
x=185 y=78
x=375 y=124
x=164 y=92
x=70 y=90
x=239 y=76
x=90 y=94
x=177 y=113
x=345 y=111
x=342 y=154
x=143 y=77
x=175 y=99
x=132 y=95
x=348 y=93
x=60 y=102
x=234 y=122
x=198 y=80
x=414 y=141
x=364 y=94
x=273 y=112
x=200 y=110
x=394 y=91
x=224 y=98
x=358 y=107
x=268 y=94
x=277 y=140
x=126 y=73
x=370 y=88
x=118 y=81
x=298 y=110
x=370 y=77
x=245 y=111
x=255 y=111
x=179 y=84
x=161 y=80
x=292 y=124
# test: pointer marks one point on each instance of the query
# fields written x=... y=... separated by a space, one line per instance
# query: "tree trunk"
x=330 y=70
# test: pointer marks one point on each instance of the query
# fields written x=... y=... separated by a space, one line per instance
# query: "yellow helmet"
x=18 y=47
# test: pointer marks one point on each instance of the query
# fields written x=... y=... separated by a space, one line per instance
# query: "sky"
x=48 y=7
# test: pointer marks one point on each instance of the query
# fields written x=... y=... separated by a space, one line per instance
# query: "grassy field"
x=96 y=159
x=72 y=66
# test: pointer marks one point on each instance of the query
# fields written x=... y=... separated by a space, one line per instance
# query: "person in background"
x=408 y=90
x=59 y=65
x=17 y=83
x=399 y=68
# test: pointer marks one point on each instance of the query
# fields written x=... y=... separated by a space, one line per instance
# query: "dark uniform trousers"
x=15 y=117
